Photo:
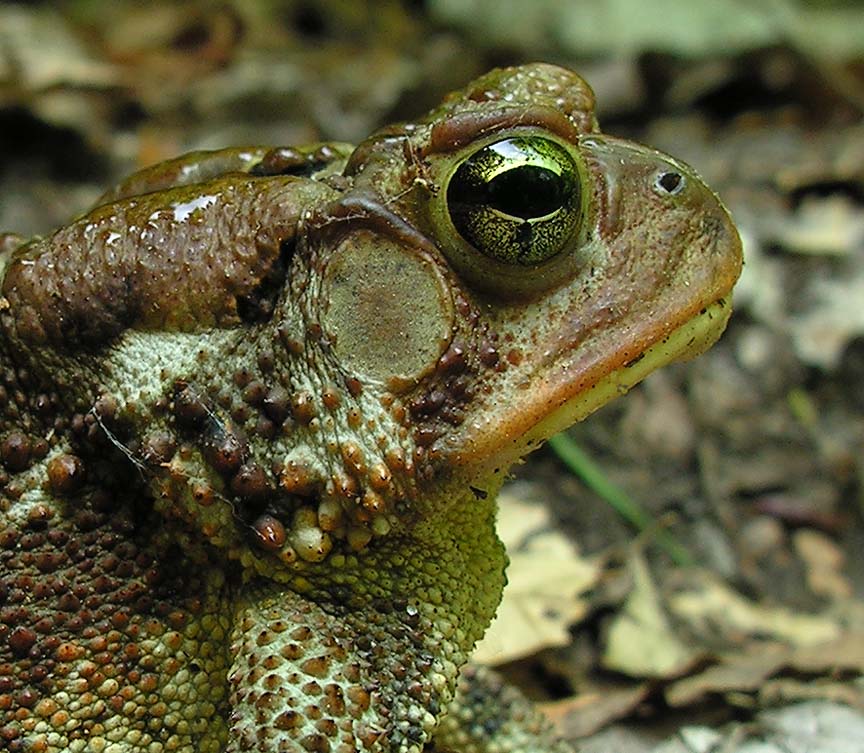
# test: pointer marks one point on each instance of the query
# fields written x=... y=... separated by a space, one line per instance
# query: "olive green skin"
x=256 y=408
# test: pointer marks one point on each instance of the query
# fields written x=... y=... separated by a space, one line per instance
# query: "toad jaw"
x=687 y=341
x=562 y=398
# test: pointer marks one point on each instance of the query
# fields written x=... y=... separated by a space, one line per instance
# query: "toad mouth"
x=557 y=407
x=686 y=341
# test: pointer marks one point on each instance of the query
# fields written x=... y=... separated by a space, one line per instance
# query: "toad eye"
x=517 y=200
x=669 y=183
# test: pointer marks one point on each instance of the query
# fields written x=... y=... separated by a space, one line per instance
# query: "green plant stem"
x=593 y=477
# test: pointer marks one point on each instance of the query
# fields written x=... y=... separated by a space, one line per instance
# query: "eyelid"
x=455 y=132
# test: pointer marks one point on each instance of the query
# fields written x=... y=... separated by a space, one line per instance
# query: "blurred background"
x=704 y=566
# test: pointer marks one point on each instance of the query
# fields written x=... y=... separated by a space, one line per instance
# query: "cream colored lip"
x=690 y=339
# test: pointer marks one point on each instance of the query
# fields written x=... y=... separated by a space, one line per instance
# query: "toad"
x=257 y=405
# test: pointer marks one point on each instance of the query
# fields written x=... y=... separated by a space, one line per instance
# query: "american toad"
x=257 y=405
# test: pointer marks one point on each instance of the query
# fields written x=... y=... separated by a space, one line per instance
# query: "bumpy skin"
x=256 y=407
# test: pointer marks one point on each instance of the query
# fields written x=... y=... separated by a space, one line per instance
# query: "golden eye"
x=517 y=200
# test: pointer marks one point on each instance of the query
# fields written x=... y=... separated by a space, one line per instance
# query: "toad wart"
x=257 y=405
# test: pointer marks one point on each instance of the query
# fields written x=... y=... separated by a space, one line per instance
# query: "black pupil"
x=670 y=181
x=527 y=191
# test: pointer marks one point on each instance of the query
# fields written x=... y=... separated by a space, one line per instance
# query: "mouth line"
x=686 y=341
x=517 y=437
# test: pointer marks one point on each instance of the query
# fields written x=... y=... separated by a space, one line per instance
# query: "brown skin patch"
x=66 y=474
x=135 y=248
x=80 y=594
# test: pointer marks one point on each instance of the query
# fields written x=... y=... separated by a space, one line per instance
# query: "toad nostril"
x=669 y=183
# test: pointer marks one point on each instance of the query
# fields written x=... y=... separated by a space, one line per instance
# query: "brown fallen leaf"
x=641 y=641
x=746 y=672
x=825 y=561
x=711 y=610
x=751 y=671
x=787 y=690
x=846 y=654
x=586 y=713
x=545 y=578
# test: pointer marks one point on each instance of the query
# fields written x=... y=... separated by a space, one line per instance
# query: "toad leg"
x=489 y=715
x=366 y=655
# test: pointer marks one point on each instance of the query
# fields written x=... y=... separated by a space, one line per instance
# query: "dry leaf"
x=39 y=52
x=787 y=690
x=588 y=712
x=751 y=671
x=746 y=672
x=825 y=561
x=545 y=578
x=709 y=607
x=641 y=641
x=823 y=225
x=845 y=654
